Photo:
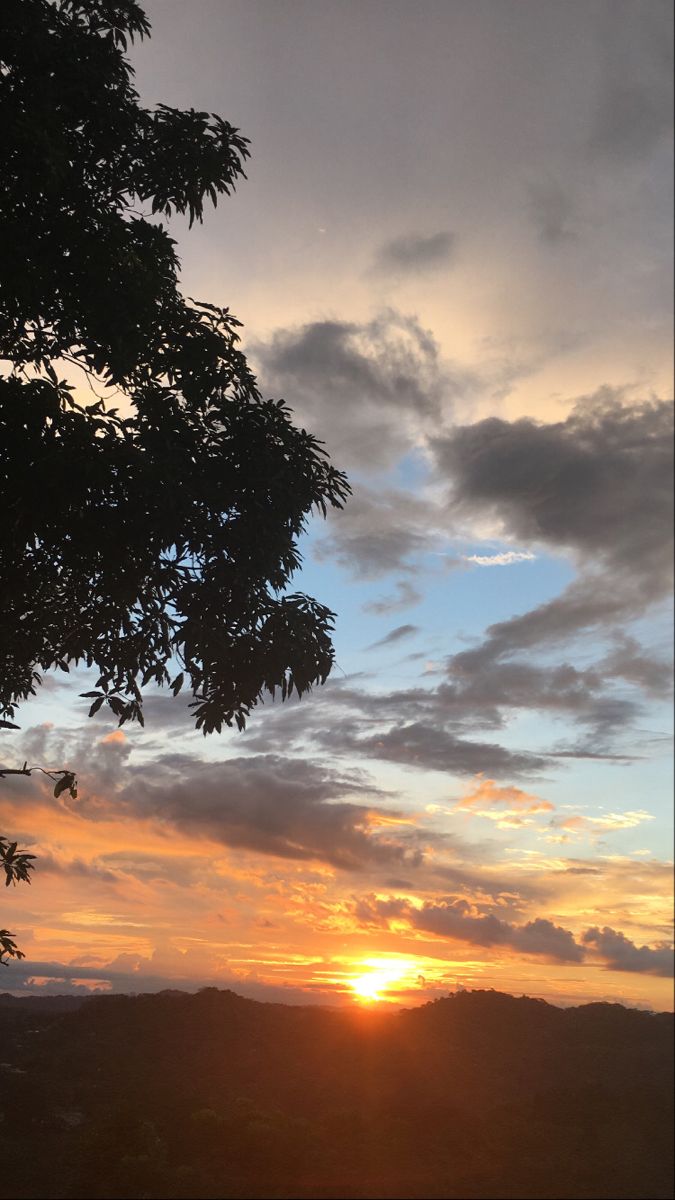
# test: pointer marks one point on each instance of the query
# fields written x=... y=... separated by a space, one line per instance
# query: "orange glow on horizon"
x=383 y=972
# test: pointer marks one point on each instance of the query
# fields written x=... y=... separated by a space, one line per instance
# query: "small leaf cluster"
x=8 y=947
x=16 y=865
x=155 y=541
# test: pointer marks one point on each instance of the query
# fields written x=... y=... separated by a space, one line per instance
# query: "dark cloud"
x=418 y=727
x=435 y=727
x=287 y=807
x=598 y=485
x=395 y=635
x=634 y=104
x=368 y=390
x=631 y=118
x=415 y=252
x=50 y=864
x=583 y=750
x=552 y=211
x=379 y=531
x=620 y=954
x=132 y=974
x=484 y=686
x=428 y=747
x=455 y=918
x=627 y=660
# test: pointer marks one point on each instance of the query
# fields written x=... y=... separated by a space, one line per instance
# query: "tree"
x=154 y=540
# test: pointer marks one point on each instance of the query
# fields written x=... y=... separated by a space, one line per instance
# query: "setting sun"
x=382 y=973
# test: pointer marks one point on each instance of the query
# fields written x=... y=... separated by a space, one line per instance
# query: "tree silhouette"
x=17 y=864
x=154 y=539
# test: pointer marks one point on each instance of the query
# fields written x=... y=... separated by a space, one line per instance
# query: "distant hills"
x=474 y=1096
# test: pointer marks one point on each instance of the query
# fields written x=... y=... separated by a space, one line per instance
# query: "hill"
x=477 y=1095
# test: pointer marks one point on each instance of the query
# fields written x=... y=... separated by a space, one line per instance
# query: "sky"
x=453 y=258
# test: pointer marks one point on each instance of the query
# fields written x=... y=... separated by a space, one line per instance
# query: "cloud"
x=290 y=808
x=418 y=727
x=509 y=807
x=368 y=390
x=627 y=660
x=414 y=253
x=454 y=918
x=405 y=596
x=634 y=104
x=53 y=864
x=434 y=728
x=630 y=120
x=431 y=748
x=505 y=559
x=134 y=974
x=116 y=738
x=598 y=484
x=621 y=954
x=484 y=686
x=379 y=531
x=395 y=635
x=552 y=211
x=596 y=826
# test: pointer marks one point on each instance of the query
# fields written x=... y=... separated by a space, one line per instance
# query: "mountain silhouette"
x=476 y=1095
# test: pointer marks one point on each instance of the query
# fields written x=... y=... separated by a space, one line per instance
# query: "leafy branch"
x=17 y=864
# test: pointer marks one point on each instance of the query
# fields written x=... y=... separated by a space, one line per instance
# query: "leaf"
x=66 y=783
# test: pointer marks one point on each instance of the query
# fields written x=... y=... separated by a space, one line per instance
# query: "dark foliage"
x=16 y=865
x=154 y=540
x=477 y=1096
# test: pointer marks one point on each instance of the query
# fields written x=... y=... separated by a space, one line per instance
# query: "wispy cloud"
x=394 y=636
x=404 y=596
x=505 y=559
x=415 y=252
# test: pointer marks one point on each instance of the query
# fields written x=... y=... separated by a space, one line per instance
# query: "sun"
x=367 y=988
x=382 y=973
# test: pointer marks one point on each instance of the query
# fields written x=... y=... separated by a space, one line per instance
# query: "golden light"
x=382 y=974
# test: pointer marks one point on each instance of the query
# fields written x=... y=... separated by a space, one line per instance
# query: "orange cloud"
x=486 y=793
x=117 y=737
x=606 y=823
x=508 y=807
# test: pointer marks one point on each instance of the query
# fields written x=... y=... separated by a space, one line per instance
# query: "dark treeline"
x=477 y=1095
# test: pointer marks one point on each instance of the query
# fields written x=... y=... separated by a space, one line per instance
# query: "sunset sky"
x=453 y=259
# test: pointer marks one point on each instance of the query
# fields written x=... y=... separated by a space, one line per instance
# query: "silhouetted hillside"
x=41 y=1004
x=477 y=1095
